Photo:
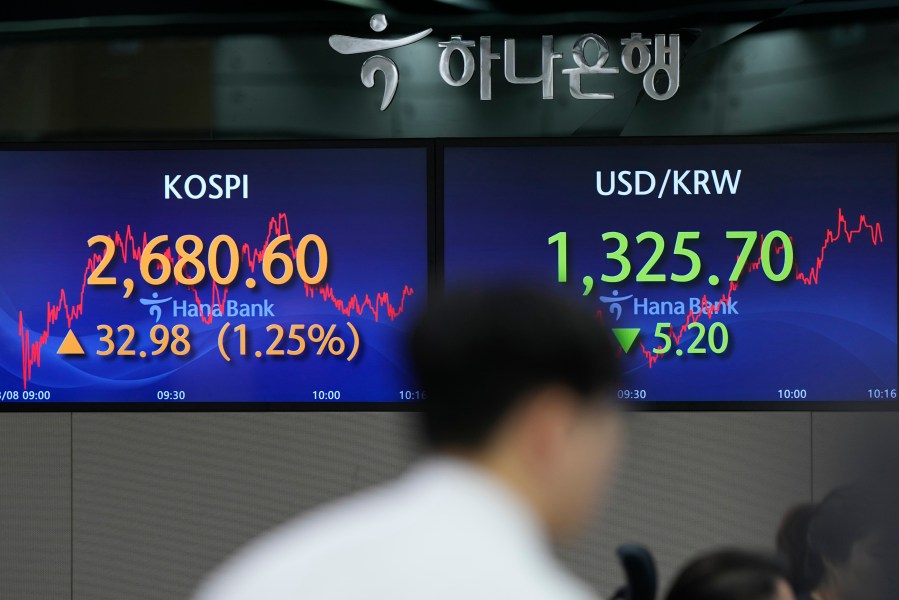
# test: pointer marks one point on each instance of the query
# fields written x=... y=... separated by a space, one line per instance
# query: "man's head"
x=521 y=381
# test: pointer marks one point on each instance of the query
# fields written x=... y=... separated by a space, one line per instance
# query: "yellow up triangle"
x=70 y=345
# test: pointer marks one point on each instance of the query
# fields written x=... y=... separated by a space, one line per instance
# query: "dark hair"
x=477 y=354
x=847 y=515
x=728 y=575
x=813 y=535
x=805 y=567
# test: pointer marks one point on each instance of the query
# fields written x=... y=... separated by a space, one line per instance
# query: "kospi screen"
x=727 y=272
x=231 y=275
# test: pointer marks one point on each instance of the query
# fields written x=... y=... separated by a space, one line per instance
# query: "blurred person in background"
x=838 y=549
x=732 y=575
x=792 y=546
x=522 y=435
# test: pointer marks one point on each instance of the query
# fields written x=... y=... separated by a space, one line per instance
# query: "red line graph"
x=708 y=308
x=128 y=248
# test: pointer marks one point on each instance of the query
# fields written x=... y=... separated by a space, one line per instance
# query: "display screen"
x=274 y=275
x=727 y=272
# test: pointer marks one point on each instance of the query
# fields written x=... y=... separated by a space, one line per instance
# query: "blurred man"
x=522 y=435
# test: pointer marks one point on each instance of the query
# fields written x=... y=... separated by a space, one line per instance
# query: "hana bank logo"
x=230 y=308
x=345 y=44
x=614 y=301
x=693 y=305
x=656 y=58
x=155 y=305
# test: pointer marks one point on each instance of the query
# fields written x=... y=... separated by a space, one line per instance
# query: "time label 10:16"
x=772 y=243
x=158 y=266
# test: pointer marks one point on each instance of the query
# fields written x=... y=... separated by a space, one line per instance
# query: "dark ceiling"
x=28 y=18
x=29 y=11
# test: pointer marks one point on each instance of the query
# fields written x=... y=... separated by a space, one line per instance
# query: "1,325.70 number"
x=775 y=242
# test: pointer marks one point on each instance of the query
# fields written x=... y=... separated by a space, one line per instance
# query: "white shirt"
x=444 y=531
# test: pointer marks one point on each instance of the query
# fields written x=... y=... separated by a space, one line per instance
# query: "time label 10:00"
x=775 y=242
x=157 y=267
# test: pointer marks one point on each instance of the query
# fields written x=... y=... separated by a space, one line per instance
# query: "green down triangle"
x=626 y=336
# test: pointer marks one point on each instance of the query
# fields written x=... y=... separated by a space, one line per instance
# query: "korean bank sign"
x=656 y=59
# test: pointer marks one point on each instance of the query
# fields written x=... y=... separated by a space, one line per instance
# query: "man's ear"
x=546 y=422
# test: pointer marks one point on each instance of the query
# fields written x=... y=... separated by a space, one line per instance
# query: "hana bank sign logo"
x=657 y=59
x=693 y=305
x=229 y=308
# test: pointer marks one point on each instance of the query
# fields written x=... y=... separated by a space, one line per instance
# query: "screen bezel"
x=866 y=405
x=428 y=145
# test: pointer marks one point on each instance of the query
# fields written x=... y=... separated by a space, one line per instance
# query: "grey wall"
x=35 y=506
x=107 y=506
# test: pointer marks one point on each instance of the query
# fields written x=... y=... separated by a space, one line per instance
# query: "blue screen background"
x=836 y=339
x=369 y=206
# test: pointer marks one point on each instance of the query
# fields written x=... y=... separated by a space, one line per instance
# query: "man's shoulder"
x=552 y=580
x=410 y=538
x=276 y=558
